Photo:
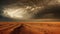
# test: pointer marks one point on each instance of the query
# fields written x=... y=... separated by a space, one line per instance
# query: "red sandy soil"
x=30 y=28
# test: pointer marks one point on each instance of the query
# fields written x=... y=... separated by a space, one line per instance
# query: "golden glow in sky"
x=20 y=12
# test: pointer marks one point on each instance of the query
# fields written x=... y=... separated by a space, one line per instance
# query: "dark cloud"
x=50 y=12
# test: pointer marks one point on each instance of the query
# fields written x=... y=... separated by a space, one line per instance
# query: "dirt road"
x=30 y=28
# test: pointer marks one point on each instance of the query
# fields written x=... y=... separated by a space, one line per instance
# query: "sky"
x=47 y=12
